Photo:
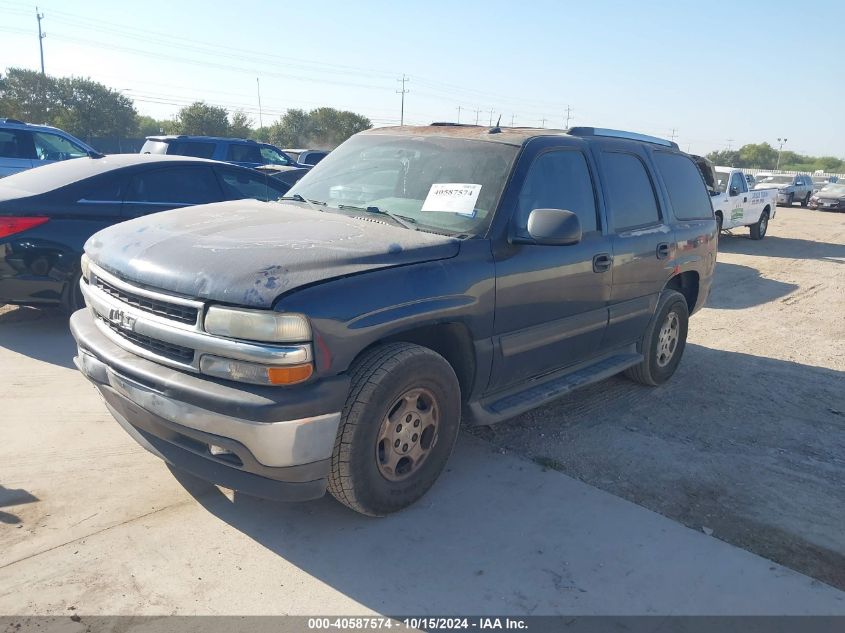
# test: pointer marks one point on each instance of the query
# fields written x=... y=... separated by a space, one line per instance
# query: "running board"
x=508 y=404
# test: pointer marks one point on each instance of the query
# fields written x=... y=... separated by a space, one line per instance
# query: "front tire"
x=806 y=200
x=664 y=342
x=73 y=299
x=758 y=230
x=398 y=428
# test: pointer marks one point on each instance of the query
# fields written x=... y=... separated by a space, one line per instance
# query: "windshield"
x=833 y=191
x=777 y=180
x=722 y=178
x=449 y=185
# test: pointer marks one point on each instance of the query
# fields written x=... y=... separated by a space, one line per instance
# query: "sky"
x=711 y=75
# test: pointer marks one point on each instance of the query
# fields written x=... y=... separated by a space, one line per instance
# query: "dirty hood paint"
x=248 y=253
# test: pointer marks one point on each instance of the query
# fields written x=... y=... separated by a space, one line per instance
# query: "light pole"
x=781 y=141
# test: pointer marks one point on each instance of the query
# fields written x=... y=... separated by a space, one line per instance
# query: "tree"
x=726 y=158
x=80 y=106
x=240 y=125
x=202 y=119
x=759 y=155
x=323 y=127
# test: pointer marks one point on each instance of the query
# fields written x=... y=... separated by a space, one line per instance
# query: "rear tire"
x=758 y=230
x=664 y=342
x=73 y=299
x=397 y=430
x=719 y=222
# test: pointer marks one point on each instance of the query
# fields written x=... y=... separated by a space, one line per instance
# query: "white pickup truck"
x=734 y=205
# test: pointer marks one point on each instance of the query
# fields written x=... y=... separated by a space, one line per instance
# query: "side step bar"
x=505 y=405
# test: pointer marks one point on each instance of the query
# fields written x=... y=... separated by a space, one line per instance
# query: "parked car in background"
x=735 y=205
x=47 y=214
x=823 y=181
x=831 y=197
x=307 y=156
x=790 y=188
x=287 y=176
x=418 y=274
x=238 y=151
x=24 y=145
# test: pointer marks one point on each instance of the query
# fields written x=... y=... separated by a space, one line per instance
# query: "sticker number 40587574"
x=451 y=197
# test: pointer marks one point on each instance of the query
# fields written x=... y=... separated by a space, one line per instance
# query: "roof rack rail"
x=632 y=136
x=451 y=124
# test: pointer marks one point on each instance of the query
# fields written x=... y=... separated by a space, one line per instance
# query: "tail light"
x=9 y=225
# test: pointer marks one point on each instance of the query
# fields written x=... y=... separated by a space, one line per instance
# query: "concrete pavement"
x=90 y=520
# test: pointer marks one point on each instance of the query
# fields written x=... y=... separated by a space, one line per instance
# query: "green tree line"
x=88 y=109
x=764 y=156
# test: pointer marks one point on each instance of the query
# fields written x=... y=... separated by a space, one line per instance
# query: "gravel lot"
x=748 y=438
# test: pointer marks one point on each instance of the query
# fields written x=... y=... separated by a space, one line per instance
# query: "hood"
x=248 y=253
x=773 y=185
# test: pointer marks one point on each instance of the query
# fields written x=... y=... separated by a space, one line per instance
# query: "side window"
x=737 y=182
x=686 y=188
x=107 y=188
x=238 y=185
x=196 y=149
x=269 y=156
x=559 y=180
x=55 y=147
x=16 y=144
x=629 y=190
x=243 y=153
x=179 y=185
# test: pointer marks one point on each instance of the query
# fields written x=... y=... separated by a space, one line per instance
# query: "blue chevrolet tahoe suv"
x=24 y=146
x=238 y=151
x=416 y=277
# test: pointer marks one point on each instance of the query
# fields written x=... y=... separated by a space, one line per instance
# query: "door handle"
x=663 y=250
x=745 y=199
x=602 y=262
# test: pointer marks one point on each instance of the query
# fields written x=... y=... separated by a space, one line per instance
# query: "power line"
x=403 y=92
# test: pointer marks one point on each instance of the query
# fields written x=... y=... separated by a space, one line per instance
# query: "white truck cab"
x=736 y=205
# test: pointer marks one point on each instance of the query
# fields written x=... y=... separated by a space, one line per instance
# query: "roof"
x=194 y=137
x=512 y=135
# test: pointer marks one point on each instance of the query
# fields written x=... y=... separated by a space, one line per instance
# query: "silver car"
x=797 y=188
x=23 y=146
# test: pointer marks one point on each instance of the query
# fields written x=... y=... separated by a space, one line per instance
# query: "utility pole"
x=402 y=92
x=674 y=134
x=477 y=112
x=260 y=118
x=491 y=117
x=512 y=118
x=568 y=117
x=781 y=141
x=459 y=114
x=41 y=36
x=543 y=122
x=730 y=143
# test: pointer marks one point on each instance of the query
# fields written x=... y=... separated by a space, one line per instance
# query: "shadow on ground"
x=40 y=333
x=736 y=287
x=13 y=497
x=789 y=247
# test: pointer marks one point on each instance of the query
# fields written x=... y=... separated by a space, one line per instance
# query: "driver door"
x=738 y=198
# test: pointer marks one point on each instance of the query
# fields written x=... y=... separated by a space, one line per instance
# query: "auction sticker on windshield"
x=451 y=197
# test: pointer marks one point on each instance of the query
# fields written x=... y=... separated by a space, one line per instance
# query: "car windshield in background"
x=722 y=179
x=832 y=191
x=443 y=184
x=777 y=180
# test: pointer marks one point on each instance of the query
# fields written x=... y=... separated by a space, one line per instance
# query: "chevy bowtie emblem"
x=121 y=319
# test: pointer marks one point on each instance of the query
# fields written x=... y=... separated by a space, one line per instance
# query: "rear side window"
x=244 y=154
x=238 y=185
x=687 y=192
x=179 y=185
x=629 y=190
x=559 y=180
x=16 y=144
x=106 y=188
x=197 y=149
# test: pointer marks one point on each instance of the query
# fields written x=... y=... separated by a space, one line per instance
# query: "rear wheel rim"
x=764 y=224
x=408 y=434
x=667 y=339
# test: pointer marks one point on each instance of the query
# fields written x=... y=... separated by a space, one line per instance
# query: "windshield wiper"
x=311 y=203
x=402 y=220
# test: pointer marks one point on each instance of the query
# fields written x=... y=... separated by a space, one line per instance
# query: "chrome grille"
x=183 y=314
x=160 y=348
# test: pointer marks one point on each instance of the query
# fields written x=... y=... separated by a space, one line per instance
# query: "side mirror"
x=734 y=191
x=553 y=227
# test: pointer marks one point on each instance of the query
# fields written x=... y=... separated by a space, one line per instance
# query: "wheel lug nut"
x=396 y=444
x=405 y=448
x=416 y=422
x=398 y=428
x=414 y=438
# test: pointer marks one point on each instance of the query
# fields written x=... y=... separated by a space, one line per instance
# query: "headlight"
x=243 y=371
x=85 y=266
x=257 y=325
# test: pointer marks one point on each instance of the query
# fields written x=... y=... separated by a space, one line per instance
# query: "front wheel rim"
x=667 y=339
x=408 y=434
x=764 y=223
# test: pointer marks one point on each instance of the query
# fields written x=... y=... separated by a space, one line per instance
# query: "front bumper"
x=784 y=198
x=268 y=442
x=827 y=205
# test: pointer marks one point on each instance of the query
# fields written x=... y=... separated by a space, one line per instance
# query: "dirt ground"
x=748 y=438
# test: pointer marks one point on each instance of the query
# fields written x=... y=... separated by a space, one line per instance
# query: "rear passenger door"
x=551 y=303
x=169 y=188
x=16 y=151
x=642 y=242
